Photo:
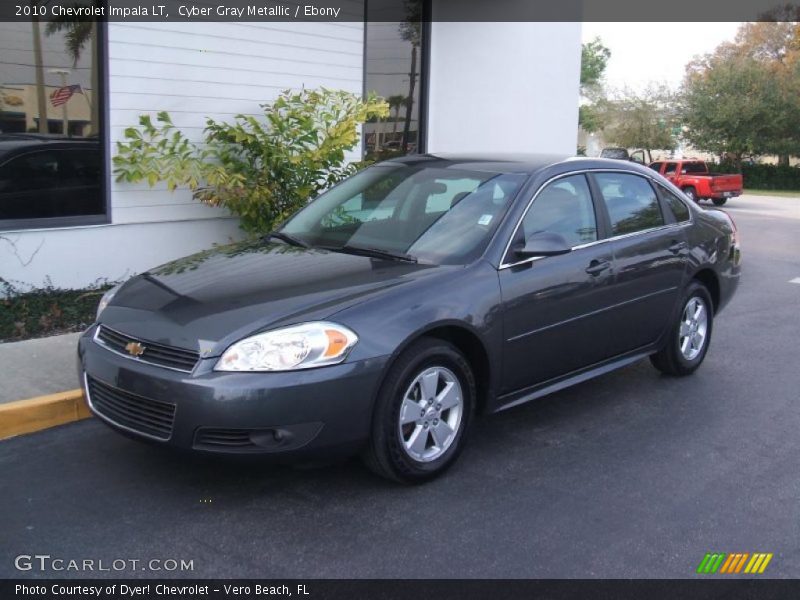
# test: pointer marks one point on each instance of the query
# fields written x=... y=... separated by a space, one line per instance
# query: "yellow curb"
x=35 y=414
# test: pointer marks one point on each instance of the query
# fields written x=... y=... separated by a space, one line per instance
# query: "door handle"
x=597 y=266
x=677 y=246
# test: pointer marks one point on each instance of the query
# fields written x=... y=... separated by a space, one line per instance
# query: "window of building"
x=395 y=62
x=564 y=207
x=631 y=202
x=52 y=165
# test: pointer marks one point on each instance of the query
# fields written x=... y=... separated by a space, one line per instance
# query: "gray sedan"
x=382 y=317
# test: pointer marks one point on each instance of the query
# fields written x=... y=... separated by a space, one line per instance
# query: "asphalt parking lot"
x=630 y=475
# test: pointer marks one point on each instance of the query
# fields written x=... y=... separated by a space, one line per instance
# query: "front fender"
x=467 y=298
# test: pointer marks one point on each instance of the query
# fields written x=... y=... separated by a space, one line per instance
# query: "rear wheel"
x=691 y=193
x=689 y=337
x=422 y=414
x=719 y=201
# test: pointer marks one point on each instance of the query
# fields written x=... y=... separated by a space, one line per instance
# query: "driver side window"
x=563 y=207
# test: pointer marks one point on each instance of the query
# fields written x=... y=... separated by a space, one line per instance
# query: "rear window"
x=688 y=168
x=656 y=166
x=617 y=153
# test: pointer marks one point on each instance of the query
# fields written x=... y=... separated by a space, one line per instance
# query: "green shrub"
x=46 y=311
x=261 y=169
x=763 y=177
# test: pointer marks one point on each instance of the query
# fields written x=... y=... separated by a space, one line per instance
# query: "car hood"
x=206 y=301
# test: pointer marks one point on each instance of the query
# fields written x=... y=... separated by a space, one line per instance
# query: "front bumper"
x=306 y=412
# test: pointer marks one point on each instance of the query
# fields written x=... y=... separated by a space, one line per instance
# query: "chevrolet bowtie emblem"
x=134 y=348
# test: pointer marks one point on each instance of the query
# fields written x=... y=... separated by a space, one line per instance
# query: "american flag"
x=62 y=94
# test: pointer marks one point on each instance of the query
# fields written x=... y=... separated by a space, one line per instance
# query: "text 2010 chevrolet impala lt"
x=388 y=312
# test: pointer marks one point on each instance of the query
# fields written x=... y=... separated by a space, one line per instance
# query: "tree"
x=395 y=103
x=641 y=119
x=594 y=59
x=744 y=98
x=76 y=35
x=411 y=31
x=262 y=169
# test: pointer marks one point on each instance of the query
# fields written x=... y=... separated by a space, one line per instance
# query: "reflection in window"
x=631 y=202
x=563 y=207
x=444 y=216
x=393 y=60
x=676 y=205
x=50 y=153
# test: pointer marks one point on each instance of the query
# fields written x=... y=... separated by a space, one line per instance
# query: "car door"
x=553 y=307
x=671 y=171
x=51 y=183
x=26 y=185
x=650 y=258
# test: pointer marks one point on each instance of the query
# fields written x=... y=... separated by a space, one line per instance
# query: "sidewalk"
x=38 y=367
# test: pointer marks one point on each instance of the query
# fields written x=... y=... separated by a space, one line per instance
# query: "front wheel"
x=719 y=201
x=689 y=337
x=691 y=193
x=422 y=414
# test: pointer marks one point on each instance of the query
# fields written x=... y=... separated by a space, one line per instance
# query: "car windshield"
x=435 y=215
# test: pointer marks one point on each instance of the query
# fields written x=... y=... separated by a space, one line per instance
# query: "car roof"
x=515 y=163
x=497 y=162
x=10 y=145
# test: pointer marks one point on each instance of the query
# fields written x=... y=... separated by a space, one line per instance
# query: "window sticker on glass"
x=485 y=220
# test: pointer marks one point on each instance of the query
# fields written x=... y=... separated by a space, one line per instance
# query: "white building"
x=499 y=87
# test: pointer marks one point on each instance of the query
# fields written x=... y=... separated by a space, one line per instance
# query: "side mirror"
x=544 y=243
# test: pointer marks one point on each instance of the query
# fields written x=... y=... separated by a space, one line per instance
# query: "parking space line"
x=795 y=280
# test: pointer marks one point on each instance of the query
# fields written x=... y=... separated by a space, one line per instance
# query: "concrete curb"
x=35 y=414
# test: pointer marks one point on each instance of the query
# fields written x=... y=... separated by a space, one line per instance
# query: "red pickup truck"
x=693 y=178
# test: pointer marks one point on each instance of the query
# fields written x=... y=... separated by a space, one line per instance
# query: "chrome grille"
x=171 y=357
x=131 y=411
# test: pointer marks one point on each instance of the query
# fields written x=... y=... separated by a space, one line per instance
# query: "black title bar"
x=398 y=10
x=471 y=589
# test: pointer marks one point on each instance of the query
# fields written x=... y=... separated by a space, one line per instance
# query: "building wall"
x=192 y=70
x=503 y=87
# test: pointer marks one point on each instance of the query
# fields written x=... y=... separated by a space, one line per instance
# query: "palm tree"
x=76 y=35
x=395 y=102
x=411 y=31
x=41 y=100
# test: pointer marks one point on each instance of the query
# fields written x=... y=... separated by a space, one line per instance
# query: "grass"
x=779 y=193
x=48 y=311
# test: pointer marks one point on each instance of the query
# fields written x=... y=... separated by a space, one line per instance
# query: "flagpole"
x=63 y=73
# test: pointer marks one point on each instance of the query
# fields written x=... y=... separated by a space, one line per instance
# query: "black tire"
x=719 y=201
x=385 y=453
x=691 y=193
x=670 y=360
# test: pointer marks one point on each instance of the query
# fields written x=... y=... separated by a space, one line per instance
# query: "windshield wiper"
x=373 y=252
x=288 y=238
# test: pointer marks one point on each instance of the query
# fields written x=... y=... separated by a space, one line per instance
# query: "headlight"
x=107 y=297
x=297 y=347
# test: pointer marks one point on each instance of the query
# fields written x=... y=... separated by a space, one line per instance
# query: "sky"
x=642 y=53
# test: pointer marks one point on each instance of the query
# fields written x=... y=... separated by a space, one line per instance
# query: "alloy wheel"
x=430 y=414
x=693 y=328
